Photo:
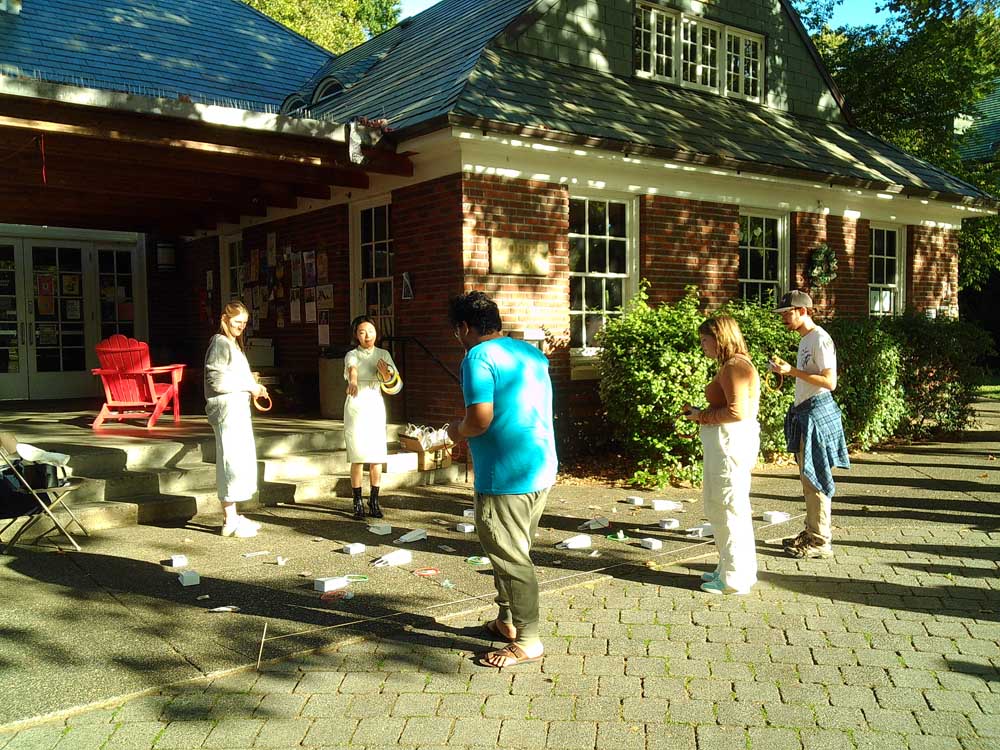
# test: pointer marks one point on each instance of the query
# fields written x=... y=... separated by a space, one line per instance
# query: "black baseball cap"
x=793 y=299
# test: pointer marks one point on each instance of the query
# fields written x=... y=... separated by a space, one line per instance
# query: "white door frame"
x=30 y=384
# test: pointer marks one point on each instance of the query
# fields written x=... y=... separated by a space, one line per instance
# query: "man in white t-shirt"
x=813 y=426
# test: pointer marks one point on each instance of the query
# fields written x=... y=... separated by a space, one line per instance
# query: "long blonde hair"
x=728 y=337
x=230 y=311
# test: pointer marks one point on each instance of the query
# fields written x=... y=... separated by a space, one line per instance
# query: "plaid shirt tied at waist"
x=816 y=426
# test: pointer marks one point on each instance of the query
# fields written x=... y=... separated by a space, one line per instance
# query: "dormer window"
x=688 y=50
x=327 y=90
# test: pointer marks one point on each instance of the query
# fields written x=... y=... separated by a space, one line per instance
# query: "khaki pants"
x=817 y=509
x=506 y=526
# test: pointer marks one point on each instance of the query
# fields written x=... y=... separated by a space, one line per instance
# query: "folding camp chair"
x=33 y=503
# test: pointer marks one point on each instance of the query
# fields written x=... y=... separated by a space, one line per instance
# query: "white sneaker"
x=242 y=528
x=250 y=522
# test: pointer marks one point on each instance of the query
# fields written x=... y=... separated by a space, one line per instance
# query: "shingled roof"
x=449 y=66
x=221 y=51
x=982 y=139
x=642 y=116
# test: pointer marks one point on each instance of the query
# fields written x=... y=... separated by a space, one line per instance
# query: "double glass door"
x=58 y=298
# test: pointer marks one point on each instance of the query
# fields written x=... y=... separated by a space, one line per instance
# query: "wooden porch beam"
x=48 y=116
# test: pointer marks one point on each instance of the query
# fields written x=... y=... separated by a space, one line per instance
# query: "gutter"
x=723 y=162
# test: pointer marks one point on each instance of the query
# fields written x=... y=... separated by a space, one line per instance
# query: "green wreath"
x=823 y=265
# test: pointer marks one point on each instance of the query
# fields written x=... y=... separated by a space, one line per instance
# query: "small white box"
x=334 y=583
x=704 y=530
x=396 y=557
x=382 y=529
x=776 y=516
x=465 y=528
x=669 y=523
x=580 y=541
x=635 y=500
x=178 y=561
x=651 y=543
x=469 y=513
x=666 y=505
x=189 y=578
x=355 y=548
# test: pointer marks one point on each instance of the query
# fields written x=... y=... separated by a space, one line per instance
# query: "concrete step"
x=179 y=506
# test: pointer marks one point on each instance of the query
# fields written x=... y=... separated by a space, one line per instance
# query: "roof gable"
x=982 y=140
x=415 y=71
x=221 y=51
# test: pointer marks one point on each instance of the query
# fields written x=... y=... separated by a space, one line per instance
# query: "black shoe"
x=359 y=506
x=373 y=508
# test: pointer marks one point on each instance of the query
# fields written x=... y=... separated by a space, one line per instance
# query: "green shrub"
x=650 y=366
x=767 y=336
x=940 y=371
x=869 y=391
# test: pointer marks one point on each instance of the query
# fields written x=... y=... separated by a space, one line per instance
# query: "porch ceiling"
x=93 y=167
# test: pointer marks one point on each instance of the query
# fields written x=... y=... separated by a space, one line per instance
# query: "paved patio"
x=894 y=643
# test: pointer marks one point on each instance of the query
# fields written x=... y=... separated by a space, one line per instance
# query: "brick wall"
x=932 y=262
x=684 y=243
x=326 y=232
x=427 y=236
x=183 y=315
x=851 y=240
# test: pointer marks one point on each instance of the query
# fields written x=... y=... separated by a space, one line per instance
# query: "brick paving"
x=894 y=643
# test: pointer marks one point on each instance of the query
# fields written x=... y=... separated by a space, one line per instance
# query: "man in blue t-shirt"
x=508 y=423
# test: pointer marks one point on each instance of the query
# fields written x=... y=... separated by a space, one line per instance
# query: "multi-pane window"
x=760 y=258
x=699 y=53
x=654 y=42
x=236 y=268
x=743 y=65
x=673 y=46
x=117 y=295
x=376 y=266
x=884 y=273
x=598 y=266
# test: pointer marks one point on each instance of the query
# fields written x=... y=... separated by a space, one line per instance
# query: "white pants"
x=730 y=454
x=235 y=450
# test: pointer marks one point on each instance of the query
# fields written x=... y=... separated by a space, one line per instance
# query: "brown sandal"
x=513 y=655
x=494 y=630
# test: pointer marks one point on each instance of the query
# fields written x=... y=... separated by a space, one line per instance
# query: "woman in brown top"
x=730 y=437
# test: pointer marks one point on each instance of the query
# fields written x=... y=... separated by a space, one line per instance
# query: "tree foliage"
x=337 y=25
x=936 y=59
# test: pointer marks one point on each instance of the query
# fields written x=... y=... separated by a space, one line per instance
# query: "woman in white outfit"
x=368 y=371
x=229 y=385
x=730 y=437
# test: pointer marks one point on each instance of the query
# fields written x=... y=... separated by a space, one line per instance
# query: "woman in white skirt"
x=730 y=437
x=368 y=371
x=229 y=385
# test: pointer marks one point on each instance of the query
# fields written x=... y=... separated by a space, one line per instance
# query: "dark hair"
x=361 y=319
x=477 y=310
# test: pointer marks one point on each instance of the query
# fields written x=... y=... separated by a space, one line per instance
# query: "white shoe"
x=242 y=528
x=250 y=522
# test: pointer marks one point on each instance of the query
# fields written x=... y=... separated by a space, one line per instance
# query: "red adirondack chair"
x=130 y=387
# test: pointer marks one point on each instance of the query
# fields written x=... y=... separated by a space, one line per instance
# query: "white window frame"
x=656 y=41
x=698 y=63
x=781 y=283
x=742 y=38
x=358 y=301
x=899 y=287
x=681 y=24
x=226 y=291
x=583 y=360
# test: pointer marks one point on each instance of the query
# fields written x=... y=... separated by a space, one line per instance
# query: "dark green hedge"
x=909 y=376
